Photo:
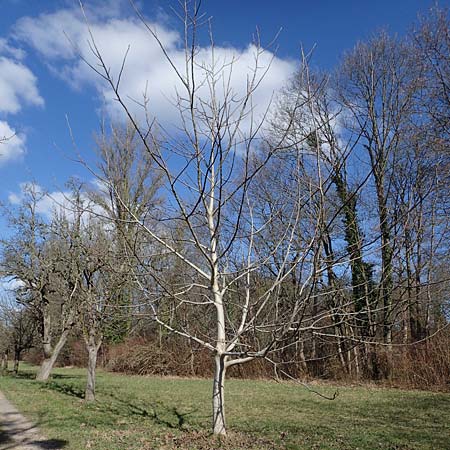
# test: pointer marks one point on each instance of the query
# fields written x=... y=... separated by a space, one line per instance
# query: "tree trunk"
x=16 y=362
x=92 y=348
x=45 y=369
x=48 y=363
x=357 y=365
x=386 y=282
x=219 y=426
x=5 y=362
x=303 y=357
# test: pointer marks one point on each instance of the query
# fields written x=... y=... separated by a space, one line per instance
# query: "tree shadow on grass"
x=154 y=412
x=23 y=375
x=62 y=376
x=160 y=414
x=55 y=444
x=64 y=388
x=31 y=375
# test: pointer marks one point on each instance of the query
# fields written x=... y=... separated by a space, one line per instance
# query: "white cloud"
x=18 y=86
x=146 y=68
x=12 y=144
x=7 y=49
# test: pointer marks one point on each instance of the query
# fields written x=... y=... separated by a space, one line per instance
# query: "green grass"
x=167 y=413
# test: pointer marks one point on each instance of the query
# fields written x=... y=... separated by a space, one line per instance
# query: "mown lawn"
x=168 y=413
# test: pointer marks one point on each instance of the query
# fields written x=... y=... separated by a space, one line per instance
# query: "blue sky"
x=42 y=82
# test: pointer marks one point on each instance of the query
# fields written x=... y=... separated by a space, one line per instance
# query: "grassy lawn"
x=167 y=413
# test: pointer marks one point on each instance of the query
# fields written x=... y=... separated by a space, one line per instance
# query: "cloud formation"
x=12 y=145
x=62 y=36
x=7 y=49
x=18 y=88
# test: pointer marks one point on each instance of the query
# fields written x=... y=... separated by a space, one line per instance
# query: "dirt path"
x=18 y=433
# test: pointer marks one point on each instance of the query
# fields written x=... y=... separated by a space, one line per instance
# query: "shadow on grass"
x=31 y=375
x=61 y=376
x=15 y=434
x=154 y=412
x=63 y=388
x=23 y=375
x=168 y=417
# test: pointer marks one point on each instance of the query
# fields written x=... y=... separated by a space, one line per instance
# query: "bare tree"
x=129 y=189
x=319 y=125
x=253 y=217
x=21 y=327
x=99 y=281
x=220 y=152
x=377 y=87
x=371 y=109
x=35 y=257
x=432 y=43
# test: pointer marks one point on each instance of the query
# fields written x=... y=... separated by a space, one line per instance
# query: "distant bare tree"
x=319 y=125
x=129 y=189
x=432 y=44
x=371 y=110
x=35 y=257
x=377 y=87
x=100 y=278
x=20 y=326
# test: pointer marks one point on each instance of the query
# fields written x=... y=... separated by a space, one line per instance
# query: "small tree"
x=21 y=328
x=94 y=266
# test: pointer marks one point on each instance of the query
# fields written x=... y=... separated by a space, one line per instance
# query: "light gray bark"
x=48 y=363
x=219 y=425
x=45 y=369
x=92 y=348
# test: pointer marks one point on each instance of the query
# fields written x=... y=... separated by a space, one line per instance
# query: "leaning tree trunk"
x=51 y=356
x=92 y=348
